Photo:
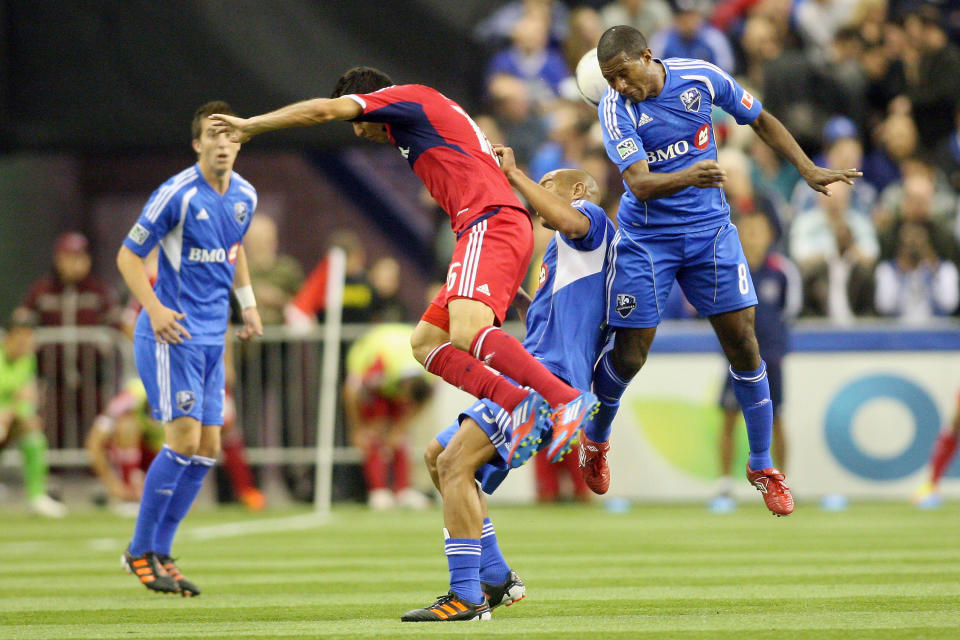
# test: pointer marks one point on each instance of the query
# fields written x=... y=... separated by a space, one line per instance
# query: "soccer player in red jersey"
x=926 y=496
x=459 y=332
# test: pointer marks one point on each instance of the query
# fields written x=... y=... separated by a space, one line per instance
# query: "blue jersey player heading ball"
x=674 y=225
x=198 y=217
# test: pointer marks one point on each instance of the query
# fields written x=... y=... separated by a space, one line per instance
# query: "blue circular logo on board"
x=838 y=426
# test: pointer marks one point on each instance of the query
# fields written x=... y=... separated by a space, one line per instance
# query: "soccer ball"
x=590 y=81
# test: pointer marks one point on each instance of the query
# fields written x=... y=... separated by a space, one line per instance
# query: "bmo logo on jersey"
x=678 y=148
x=198 y=254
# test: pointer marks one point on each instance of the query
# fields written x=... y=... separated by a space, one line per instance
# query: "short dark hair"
x=206 y=110
x=620 y=39
x=360 y=80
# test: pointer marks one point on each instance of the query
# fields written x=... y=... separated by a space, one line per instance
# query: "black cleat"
x=148 y=569
x=187 y=588
x=449 y=608
x=513 y=590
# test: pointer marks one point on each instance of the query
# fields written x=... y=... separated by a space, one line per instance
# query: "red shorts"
x=489 y=264
x=379 y=407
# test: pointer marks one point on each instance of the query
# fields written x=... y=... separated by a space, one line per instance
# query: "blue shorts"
x=182 y=379
x=728 y=400
x=496 y=423
x=709 y=265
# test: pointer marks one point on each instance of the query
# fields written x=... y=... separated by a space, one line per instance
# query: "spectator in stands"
x=495 y=30
x=516 y=118
x=916 y=285
x=691 y=36
x=532 y=59
x=922 y=198
x=18 y=412
x=835 y=249
x=276 y=277
x=772 y=173
x=818 y=21
x=570 y=127
x=385 y=388
x=385 y=279
x=947 y=155
x=308 y=305
x=842 y=148
x=744 y=196
x=585 y=30
x=933 y=75
x=646 y=16
x=71 y=297
x=896 y=140
x=885 y=77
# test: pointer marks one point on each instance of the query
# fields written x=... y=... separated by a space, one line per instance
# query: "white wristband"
x=245 y=297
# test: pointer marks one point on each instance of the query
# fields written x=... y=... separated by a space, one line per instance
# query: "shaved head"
x=620 y=39
x=567 y=178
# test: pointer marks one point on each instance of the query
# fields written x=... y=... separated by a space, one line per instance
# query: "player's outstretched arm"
x=558 y=213
x=772 y=131
x=648 y=185
x=299 y=114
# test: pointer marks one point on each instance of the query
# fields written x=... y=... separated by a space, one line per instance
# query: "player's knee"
x=462 y=336
x=422 y=343
x=449 y=465
x=628 y=362
x=208 y=451
x=433 y=450
x=744 y=350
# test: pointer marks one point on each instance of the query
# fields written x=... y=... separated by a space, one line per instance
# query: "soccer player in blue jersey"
x=565 y=329
x=199 y=218
x=674 y=224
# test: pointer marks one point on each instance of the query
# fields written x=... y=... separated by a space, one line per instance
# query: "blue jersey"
x=200 y=233
x=565 y=320
x=672 y=131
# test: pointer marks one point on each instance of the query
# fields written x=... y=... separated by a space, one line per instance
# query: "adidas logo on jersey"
x=203 y=215
x=484 y=289
x=644 y=119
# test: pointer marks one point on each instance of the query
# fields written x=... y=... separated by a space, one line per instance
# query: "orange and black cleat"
x=449 y=608
x=772 y=484
x=512 y=591
x=187 y=588
x=148 y=569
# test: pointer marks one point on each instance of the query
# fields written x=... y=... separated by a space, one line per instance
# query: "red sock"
x=465 y=372
x=375 y=467
x=401 y=468
x=943 y=451
x=505 y=354
x=128 y=460
x=235 y=460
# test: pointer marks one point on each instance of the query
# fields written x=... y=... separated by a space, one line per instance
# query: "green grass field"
x=874 y=571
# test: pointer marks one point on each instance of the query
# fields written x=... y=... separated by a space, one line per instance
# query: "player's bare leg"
x=735 y=330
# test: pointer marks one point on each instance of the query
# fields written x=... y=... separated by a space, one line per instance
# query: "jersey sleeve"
x=158 y=217
x=598 y=226
x=398 y=104
x=731 y=97
x=620 y=138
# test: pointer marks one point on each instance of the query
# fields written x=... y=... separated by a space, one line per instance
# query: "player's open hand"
x=507 y=160
x=706 y=174
x=238 y=128
x=166 y=325
x=252 y=326
x=819 y=178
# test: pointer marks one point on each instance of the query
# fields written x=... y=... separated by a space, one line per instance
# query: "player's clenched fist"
x=706 y=174
x=507 y=159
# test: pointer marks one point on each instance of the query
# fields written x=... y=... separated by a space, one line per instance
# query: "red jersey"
x=445 y=147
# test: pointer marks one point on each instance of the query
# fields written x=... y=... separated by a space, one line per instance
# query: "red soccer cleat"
x=772 y=484
x=593 y=464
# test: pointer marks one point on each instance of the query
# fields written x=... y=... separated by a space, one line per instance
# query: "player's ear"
x=196 y=145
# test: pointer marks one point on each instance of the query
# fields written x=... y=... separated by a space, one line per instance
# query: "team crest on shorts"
x=186 y=400
x=240 y=211
x=626 y=303
x=691 y=99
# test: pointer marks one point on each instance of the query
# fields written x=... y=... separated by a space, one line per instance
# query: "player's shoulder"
x=244 y=185
x=691 y=63
x=180 y=182
x=591 y=209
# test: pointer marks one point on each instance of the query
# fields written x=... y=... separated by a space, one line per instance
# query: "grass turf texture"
x=875 y=571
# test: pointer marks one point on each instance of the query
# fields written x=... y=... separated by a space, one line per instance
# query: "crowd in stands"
x=871 y=84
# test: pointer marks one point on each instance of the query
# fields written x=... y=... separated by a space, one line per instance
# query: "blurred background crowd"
x=872 y=84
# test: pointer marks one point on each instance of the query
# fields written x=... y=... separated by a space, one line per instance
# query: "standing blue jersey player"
x=674 y=224
x=199 y=218
x=564 y=331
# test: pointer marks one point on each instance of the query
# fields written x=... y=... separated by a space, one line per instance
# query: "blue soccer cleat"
x=568 y=420
x=531 y=419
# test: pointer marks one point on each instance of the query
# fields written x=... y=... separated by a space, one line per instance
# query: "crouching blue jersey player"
x=199 y=218
x=565 y=327
x=674 y=225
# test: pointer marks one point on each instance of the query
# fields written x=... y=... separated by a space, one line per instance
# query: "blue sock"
x=609 y=387
x=463 y=558
x=493 y=566
x=158 y=488
x=753 y=394
x=183 y=498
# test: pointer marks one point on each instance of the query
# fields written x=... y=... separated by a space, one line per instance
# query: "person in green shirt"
x=18 y=413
